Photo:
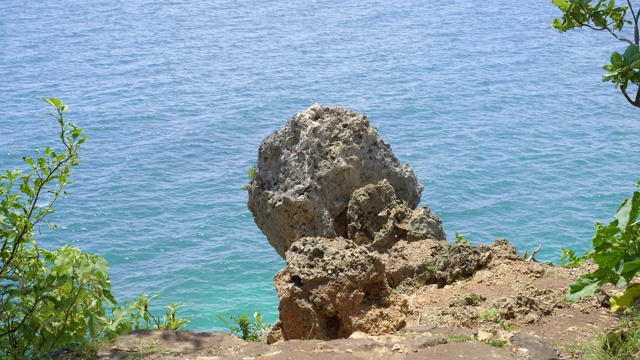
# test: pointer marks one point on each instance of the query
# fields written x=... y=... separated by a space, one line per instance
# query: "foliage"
x=623 y=342
x=493 y=315
x=433 y=267
x=308 y=337
x=620 y=343
x=252 y=174
x=489 y=314
x=616 y=251
x=244 y=328
x=137 y=315
x=52 y=300
x=461 y=239
x=458 y=338
x=496 y=342
x=48 y=299
x=570 y=259
x=607 y=16
x=473 y=299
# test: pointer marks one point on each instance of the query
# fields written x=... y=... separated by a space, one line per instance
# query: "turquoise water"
x=506 y=123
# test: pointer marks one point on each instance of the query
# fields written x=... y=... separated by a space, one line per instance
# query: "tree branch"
x=626 y=96
x=610 y=32
x=636 y=35
x=624 y=92
x=636 y=32
x=24 y=318
x=533 y=254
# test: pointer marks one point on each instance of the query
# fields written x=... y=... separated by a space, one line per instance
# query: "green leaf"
x=4 y=228
x=628 y=211
x=616 y=60
x=630 y=52
x=562 y=4
x=599 y=20
x=28 y=160
x=54 y=102
x=625 y=299
x=630 y=268
x=102 y=265
x=585 y=285
x=95 y=324
x=557 y=24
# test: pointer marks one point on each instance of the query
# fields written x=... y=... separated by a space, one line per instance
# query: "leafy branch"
x=50 y=300
x=616 y=251
x=610 y=17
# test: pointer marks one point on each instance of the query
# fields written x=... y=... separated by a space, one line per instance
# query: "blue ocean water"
x=506 y=123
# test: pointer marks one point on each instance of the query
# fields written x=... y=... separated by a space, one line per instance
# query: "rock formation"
x=308 y=170
x=333 y=287
x=339 y=207
x=376 y=217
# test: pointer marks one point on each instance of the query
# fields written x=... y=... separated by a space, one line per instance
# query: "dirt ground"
x=459 y=321
x=516 y=296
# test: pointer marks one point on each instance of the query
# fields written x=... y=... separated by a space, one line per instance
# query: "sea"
x=505 y=121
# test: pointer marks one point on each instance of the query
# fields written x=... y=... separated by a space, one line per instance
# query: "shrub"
x=48 y=299
x=53 y=300
x=616 y=251
x=244 y=328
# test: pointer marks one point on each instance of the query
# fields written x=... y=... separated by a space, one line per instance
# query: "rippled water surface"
x=506 y=122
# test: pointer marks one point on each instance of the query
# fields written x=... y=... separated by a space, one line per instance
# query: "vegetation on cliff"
x=611 y=17
x=56 y=299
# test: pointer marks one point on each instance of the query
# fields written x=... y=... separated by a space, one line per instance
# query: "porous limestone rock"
x=339 y=207
x=333 y=287
x=308 y=170
x=375 y=217
x=369 y=210
x=433 y=262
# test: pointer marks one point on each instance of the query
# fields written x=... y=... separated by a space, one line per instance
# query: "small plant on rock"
x=494 y=315
x=461 y=239
x=458 y=338
x=252 y=174
x=137 y=315
x=496 y=342
x=569 y=258
x=434 y=267
x=244 y=328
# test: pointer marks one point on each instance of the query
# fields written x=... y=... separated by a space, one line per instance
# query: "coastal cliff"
x=369 y=275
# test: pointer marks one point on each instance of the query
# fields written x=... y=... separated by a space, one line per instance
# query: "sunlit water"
x=506 y=123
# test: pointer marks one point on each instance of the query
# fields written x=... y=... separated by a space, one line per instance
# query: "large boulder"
x=339 y=207
x=308 y=170
x=331 y=288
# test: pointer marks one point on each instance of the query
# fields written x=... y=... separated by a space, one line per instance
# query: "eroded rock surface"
x=308 y=170
x=336 y=203
x=333 y=287
x=433 y=262
x=376 y=217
